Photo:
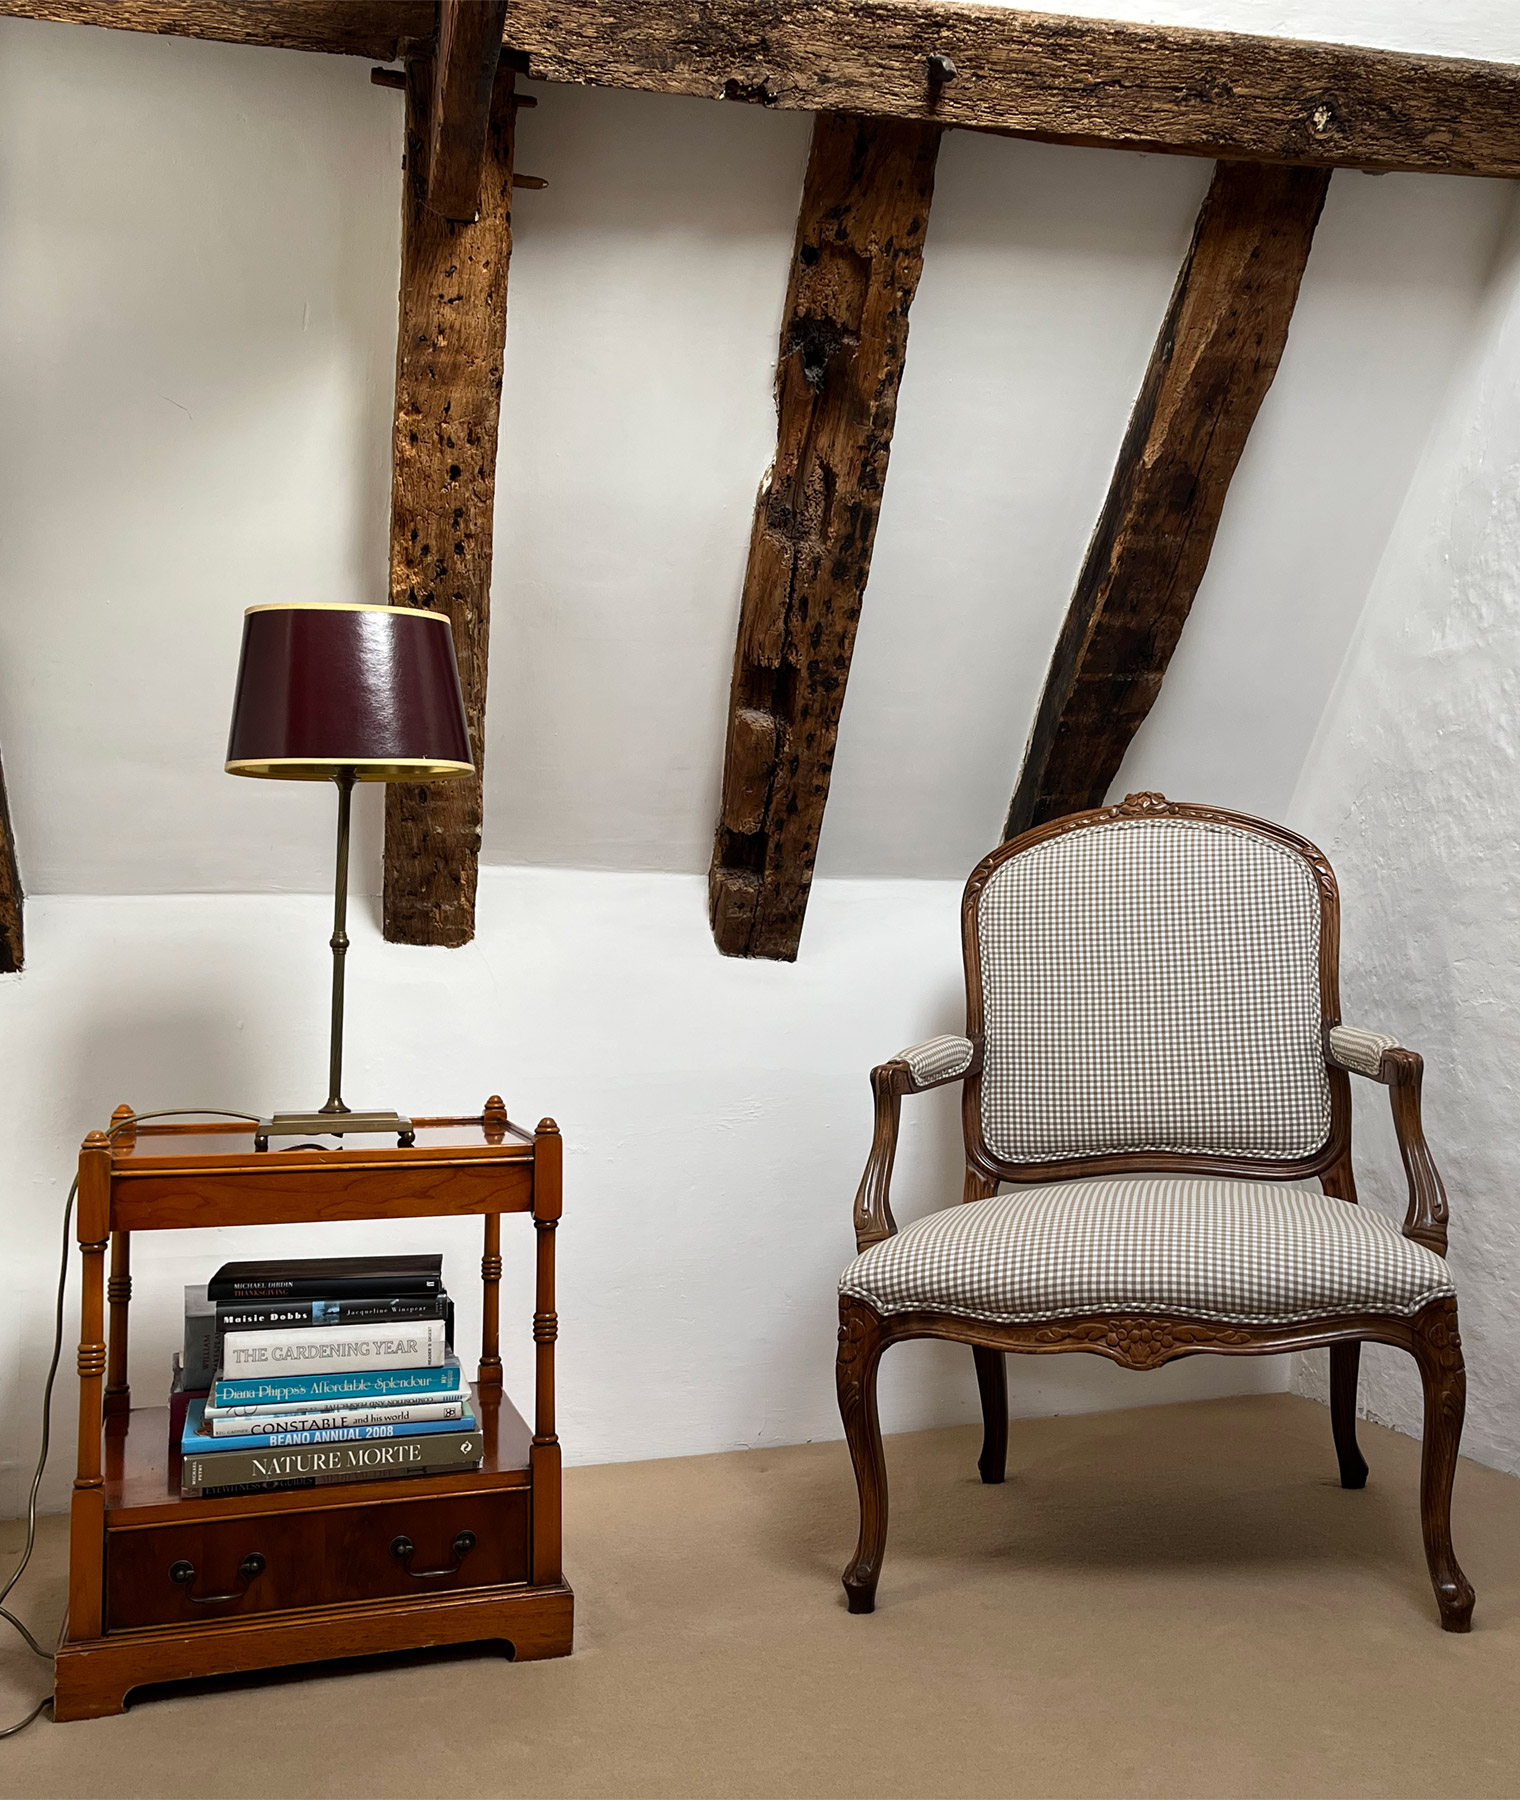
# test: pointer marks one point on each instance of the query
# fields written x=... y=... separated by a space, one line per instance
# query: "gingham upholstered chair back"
x=1151 y=983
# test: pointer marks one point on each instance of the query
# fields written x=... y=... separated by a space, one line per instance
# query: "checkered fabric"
x=1152 y=984
x=1236 y=1252
x=1358 y=1050
x=937 y=1059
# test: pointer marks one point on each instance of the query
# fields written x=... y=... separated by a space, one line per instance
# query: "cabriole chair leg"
x=860 y=1348
x=1438 y=1351
x=992 y=1384
x=1345 y=1363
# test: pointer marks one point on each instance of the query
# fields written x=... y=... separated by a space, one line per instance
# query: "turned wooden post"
x=88 y=1530
x=118 y=1398
x=545 y=1452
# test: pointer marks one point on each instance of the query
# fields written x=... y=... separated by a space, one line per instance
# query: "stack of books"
x=312 y=1373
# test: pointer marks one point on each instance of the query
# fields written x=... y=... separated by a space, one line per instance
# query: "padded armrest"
x=1350 y=1047
x=937 y=1060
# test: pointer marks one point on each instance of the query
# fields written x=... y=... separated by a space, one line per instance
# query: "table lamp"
x=346 y=693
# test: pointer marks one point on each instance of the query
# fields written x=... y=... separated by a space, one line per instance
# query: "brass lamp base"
x=332 y=1124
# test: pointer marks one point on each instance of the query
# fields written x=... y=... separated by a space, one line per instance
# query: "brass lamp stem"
x=334 y=1102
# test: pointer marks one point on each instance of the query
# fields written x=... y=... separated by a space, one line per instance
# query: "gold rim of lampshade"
x=373 y=768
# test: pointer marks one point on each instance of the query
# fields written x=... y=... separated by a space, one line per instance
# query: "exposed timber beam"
x=379 y=29
x=1219 y=347
x=1209 y=93
x=844 y=333
x=12 y=937
x=1085 y=81
x=469 y=48
x=443 y=487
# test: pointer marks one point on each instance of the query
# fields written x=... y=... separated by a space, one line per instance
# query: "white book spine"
x=223 y=1426
x=352 y=1403
x=321 y=1349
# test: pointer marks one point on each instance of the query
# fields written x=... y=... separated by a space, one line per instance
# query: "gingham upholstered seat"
x=1239 y=1252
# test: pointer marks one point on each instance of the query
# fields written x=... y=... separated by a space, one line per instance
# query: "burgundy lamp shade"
x=325 y=688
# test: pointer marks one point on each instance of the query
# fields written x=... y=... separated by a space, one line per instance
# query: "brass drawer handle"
x=402 y=1548
x=249 y=1570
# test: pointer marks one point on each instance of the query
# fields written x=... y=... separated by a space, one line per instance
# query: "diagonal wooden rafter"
x=450 y=341
x=855 y=270
x=464 y=76
x=1214 y=360
x=12 y=935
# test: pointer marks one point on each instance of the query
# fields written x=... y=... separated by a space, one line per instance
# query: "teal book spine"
x=371 y=1384
x=196 y=1440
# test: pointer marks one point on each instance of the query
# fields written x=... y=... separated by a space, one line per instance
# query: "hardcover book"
x=198 y=1355
x=200 y=1471
x=271 y=1315
x=276 y=1390
x=420 y=1344
x=196 y=1440
x=232 y=1489
x=243 y=1422
x=328 y=1278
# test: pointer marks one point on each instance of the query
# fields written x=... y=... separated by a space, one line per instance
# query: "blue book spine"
x=195 y=1442
x=374 y=1384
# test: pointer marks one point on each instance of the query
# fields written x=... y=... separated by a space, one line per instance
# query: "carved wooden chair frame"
x=1142 y=1340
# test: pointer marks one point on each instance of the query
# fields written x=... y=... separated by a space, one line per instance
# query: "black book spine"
x=270 y=1315
x=288 y=1315
x=326 y=1287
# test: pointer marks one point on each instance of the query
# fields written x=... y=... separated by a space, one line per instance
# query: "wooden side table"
x=484 y=1558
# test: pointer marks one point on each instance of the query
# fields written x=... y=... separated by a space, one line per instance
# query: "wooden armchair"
x=1154 y=1065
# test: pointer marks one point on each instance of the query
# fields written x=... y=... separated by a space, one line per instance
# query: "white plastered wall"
x=1413 y=787
x=198 y=253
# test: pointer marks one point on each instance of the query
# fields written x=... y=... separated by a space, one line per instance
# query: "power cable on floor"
x=178 y=1112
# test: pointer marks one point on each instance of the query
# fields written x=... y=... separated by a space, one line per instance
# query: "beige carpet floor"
x=1177 y=1601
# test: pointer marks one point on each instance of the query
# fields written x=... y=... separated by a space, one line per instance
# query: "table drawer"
x=219 y=1569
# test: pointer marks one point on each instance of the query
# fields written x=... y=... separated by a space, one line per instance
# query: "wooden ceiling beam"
x=1214 y=360
x=844 y=333
x=1091 y=81
x=449 y=348
x=1222 y=94
x=382 y=30
x=12 y=935
x=464 y=65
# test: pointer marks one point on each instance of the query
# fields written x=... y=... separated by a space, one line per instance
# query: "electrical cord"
x=178 y=1112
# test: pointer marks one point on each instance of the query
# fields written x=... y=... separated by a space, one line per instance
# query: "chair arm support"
x=912 y=1071
x=1402 y=1072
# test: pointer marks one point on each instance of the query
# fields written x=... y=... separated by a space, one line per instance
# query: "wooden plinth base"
x=94 y=1677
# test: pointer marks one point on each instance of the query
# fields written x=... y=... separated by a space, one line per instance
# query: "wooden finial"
x=493 y=1119
x=545 y=1127
x=124 y=1127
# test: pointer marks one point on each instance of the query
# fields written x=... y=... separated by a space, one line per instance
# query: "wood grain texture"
x=855 y=269
x=379 y=29
x=464 y=76
x=333 y=1581
x=1209 y=93
x=92 y=1679
x=1213 y=362
x=443 y=490
x=12 y=900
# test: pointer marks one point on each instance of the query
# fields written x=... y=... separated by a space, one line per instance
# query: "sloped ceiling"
x=197 y=280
